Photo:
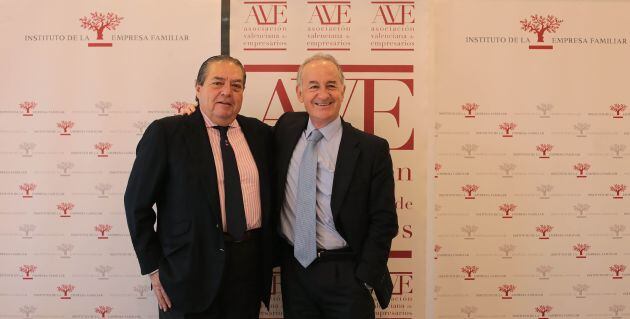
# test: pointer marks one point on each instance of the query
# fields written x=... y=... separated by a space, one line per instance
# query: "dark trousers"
x=327 y=288
x=240 y=293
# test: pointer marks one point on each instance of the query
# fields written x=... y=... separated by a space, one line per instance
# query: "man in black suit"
x=208 y=175
x=335 y=190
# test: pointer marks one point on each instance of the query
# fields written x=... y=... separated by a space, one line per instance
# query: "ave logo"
x=330 y=13
x=394 y=12
x=267 y=13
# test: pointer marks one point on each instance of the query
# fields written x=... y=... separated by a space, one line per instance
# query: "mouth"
x=323 y=103
x=224 y=103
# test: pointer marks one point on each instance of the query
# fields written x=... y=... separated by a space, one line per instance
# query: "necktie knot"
x=222 y=129
x=315 y=136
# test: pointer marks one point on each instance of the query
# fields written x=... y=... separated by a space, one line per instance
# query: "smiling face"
x=321 y=91
x=221 y=94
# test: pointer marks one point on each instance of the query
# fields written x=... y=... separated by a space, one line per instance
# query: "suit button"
x=217 y=225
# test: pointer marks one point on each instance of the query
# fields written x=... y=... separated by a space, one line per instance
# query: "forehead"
x=224 y=69
x=320 y=71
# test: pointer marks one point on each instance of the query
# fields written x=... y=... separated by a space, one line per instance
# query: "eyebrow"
x=223 y=79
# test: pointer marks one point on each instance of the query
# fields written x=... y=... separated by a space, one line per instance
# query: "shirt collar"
x=328 y=131
x=209 y=123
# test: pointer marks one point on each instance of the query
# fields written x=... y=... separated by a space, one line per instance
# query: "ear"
x=298 y=91
x=197 y=89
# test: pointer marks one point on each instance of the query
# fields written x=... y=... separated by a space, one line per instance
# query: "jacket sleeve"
x=383 y=221
x=143 y=189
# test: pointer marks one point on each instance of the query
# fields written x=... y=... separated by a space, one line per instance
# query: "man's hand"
x=189 y=109
x=160 y=294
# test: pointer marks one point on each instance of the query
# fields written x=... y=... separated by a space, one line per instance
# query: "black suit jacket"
x=362 y=200
x=174 y=169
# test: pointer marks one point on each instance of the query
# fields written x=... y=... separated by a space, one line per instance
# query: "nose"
x=323 y=93
x=226 y=90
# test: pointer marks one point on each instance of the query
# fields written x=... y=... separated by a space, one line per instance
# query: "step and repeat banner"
x=531 y=175
x=508 y=123
x=382 y=47
x=80 y=82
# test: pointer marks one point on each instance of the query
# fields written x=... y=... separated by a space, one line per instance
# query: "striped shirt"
x=247 y=170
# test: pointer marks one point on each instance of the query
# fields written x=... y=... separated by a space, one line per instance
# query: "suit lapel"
x=199 y=148
x=344 y=168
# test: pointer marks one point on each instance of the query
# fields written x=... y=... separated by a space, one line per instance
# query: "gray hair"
x=203 y=69
x=319 y=57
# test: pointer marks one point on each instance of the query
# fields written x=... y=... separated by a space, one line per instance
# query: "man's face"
x=321 y=92
x=221 y=95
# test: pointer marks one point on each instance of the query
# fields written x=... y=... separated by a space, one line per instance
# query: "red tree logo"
x=28 y=188
x=618 y=189
x=506 y=289
x=540 y=25
x=542 y=310
x=28 y=271
x=469 y=189
x=436 y=250
x=66 y=289
x=617 y=269
x=65 y=126
x=28 y=106
x=581 y=248
x=544 y=148
x=102 y=146
x=27 y=310
x=618 y=108
x=470 y=107
x=469 y=271
x=437 y=169
x=179 y=106
x=582 y=167
x=65 y=207
x=103 y=310
x=99 y=22
x=102 y=228
x=543 y=230
x=507 y=127
x=507 y=209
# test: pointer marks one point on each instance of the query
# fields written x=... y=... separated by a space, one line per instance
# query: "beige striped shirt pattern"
x=247 y=170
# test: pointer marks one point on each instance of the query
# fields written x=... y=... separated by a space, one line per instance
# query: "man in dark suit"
x=335 y=190
x=208 y=175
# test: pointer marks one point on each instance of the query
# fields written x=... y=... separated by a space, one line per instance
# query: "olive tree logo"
x=99 y=22
x=540 y=25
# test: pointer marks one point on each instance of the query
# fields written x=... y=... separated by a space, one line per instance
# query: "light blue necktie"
x=304 y=236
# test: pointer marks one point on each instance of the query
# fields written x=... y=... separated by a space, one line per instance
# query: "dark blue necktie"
x=234 y=208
